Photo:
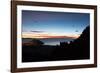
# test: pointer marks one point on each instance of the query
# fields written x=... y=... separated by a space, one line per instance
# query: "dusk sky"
x=43 y=24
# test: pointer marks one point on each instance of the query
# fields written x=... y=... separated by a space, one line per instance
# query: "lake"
x=49 y=41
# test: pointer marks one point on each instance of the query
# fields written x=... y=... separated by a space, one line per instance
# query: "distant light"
x=68 y=42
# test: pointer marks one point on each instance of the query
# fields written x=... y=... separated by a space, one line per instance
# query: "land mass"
x=36 y=50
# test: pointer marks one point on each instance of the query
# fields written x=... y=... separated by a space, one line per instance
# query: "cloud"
x=37 y=31
x=76 y=31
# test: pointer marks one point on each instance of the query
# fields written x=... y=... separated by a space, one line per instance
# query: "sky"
x=46 y=24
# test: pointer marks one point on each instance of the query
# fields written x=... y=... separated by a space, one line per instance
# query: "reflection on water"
x=55 y=41
x=51 y=41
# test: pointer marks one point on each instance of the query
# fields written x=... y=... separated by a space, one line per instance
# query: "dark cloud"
x=76 y=31
x=37 y=31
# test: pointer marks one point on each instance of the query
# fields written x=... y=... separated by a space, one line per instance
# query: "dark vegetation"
x=78 y=49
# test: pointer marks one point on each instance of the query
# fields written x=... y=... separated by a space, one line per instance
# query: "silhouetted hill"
x=83 y=43
x=84 y=36
x=36 y=41
x=78 y=49
x=32 y=42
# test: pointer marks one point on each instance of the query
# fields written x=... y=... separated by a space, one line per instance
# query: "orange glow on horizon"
x=48 y=35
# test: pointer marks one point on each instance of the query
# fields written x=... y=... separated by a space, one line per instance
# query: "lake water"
x=51 y=41
x=55 y=41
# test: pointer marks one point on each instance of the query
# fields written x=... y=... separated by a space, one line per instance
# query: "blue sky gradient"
x=54 y=22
